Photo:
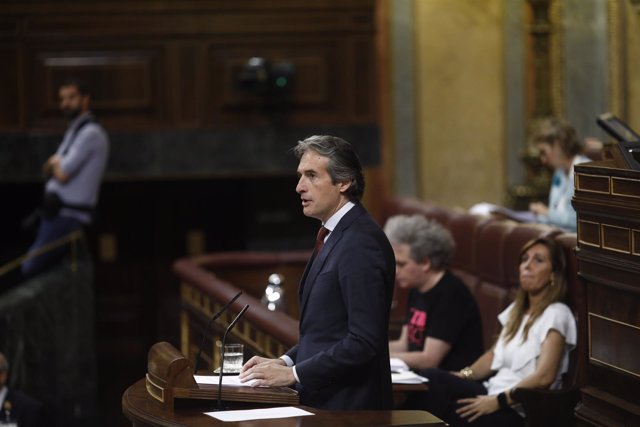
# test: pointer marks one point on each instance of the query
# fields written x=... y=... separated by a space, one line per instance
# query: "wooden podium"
x=153 y=401
x=170 y=377
x=607 y=201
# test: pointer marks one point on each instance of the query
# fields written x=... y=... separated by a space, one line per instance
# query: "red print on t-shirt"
x=416 y=326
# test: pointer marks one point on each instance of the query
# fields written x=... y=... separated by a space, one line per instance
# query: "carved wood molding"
x=547 y=90
x=617 y=57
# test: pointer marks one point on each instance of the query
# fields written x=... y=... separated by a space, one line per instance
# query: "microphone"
x=204 y=332
x=224 y=339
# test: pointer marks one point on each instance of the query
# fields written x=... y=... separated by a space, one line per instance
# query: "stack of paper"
x=226 y=380
x=407 y=377
x=398 y=365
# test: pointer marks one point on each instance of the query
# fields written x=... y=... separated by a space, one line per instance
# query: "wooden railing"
x=70 y=239
x=203 y=293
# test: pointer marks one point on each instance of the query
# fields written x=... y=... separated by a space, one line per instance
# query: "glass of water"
x=233 y=358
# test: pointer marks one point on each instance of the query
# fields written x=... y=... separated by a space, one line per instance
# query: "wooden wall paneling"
x=194 y=22
x=127 y=85
x=319 y=93
x=10 y=89
x=9 y=27
x=363 y=79
x=184 y=72
x=10 y=73
x=173 y=83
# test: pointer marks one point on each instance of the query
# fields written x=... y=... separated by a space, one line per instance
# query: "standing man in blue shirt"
x=74 y=175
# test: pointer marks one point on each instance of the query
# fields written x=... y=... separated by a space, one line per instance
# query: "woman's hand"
x=539 y=208
x=475 y=407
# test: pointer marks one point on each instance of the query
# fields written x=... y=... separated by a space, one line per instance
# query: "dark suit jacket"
x=25 y=410
x=342 y=357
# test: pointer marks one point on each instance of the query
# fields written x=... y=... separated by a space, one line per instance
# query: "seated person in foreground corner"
x=532 y=351
x=443 y=326
x=560 y=149
x=17 y=407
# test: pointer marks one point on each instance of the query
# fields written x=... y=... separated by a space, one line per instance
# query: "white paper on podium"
x=408 y=377
x=259 y=414
x=398 y=365
x=226 y=380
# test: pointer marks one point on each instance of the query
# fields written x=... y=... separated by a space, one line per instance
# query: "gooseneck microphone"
x=204 y=332
x=224 y=340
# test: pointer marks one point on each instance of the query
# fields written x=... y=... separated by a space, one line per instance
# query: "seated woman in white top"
x=532 y=350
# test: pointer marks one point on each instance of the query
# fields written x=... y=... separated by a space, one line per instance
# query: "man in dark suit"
x=342 y=359
x=16 y=407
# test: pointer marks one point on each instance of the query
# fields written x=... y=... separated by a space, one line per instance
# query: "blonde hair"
x=555 y=291
x=554 y=130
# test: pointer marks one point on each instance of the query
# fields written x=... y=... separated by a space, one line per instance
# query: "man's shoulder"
x=86 y=125
x=454 y=283
x=358 y=220
x=93 y=127
x=456 y=290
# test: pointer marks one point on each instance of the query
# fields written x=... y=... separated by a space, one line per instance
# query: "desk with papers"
x=145 y=411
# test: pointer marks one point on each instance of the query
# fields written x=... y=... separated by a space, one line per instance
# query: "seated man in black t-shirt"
x=443 y=327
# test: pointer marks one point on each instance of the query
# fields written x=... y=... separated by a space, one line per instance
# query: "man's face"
x=72 y=103
x=320 y=197
x=409 y=273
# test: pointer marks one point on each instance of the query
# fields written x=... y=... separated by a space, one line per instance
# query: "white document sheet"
x=489 y=208
x=408 y=377
x=226 y=380
x=397 y=365
x=259 y=414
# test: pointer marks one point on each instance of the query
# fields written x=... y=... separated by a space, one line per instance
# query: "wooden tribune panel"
x=608 y=207
x=170 y=377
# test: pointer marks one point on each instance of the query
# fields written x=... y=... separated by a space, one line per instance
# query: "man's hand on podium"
x=267 y=372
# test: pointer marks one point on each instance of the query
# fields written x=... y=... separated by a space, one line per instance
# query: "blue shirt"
x=561 y=213
x=85 y=162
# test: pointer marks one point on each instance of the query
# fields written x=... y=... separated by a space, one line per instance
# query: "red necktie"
x=322 y=233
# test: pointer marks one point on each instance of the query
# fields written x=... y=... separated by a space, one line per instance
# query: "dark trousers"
x=441 y=400
x=50 y=230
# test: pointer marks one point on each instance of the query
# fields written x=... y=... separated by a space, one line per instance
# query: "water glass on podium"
x=233 y=358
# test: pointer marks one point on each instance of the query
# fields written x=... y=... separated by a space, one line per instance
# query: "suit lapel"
x=318 y=260
x=305 y=274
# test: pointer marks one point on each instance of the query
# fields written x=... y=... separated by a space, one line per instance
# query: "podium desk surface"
x=144 y=411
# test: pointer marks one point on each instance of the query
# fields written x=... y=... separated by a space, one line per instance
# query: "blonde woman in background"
x=559 y=148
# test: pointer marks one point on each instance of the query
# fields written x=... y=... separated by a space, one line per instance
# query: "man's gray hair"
x=425 y=237
x=344 y=164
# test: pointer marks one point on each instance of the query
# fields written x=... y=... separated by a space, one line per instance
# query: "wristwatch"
x=466 y=372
